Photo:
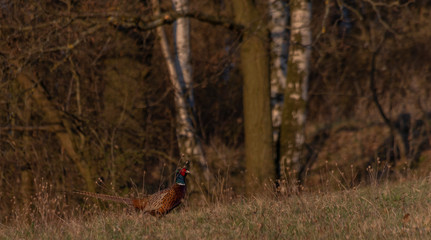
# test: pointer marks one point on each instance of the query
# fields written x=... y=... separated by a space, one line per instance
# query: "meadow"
x=392 y=210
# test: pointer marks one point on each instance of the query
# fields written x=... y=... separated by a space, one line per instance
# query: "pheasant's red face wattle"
x=183 y=172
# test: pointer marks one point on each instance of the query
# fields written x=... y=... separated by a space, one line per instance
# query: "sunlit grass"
x=388 y=211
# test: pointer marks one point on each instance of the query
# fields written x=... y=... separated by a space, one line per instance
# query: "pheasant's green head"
x=181 y=176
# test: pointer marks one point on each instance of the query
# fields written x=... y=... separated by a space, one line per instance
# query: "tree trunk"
x=298 y=71
x=62 y=126
x=181 y=78
x=256 y=99
x=278 y=13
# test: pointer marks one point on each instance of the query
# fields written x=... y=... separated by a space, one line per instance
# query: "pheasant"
x=157 y=204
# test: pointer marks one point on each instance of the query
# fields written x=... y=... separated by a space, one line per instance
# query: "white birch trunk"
x=279 y=46
x=182 y=46
x=180 y=73
x=301 y=19
x=294 y=115
x=301 y=35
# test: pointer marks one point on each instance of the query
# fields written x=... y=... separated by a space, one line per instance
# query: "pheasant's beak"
x=187 y=171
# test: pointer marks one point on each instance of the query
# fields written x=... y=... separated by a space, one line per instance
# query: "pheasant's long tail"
x=124 y=200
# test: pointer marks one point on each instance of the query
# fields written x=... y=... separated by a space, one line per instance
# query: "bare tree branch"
x=352 y=9
x=70 y=46
x=50 y=128
x=379 y=17
x=170 y=17
x=35 y=27
x=373 y=85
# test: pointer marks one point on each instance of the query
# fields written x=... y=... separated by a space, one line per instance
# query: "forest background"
x=94 y=95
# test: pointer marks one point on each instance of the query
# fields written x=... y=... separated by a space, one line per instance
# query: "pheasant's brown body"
x=159 y=203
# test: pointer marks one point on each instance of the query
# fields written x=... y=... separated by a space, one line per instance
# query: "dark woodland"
x=86 y=102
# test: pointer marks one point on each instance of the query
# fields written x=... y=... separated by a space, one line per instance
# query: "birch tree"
x=278 y=25
x=180 y=72
x=298 y=71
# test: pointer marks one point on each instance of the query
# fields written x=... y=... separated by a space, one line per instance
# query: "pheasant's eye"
x=183 y=172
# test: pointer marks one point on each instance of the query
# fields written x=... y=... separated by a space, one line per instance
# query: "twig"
x=379 y=17
x=29 y=128
x=352 y=9
x=71 y=46
x=373 y=85
x=160 y=19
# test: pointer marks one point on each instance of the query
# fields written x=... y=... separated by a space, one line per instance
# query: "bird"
x=156 y=204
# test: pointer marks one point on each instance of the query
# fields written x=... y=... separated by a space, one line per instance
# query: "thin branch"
x=373 y=85
x=70 y=46
x=50 y=128
x=77 y=81
x=352 y=9
x=149 y=23
x=324 y=20
x=379 y=17
x=33 y=27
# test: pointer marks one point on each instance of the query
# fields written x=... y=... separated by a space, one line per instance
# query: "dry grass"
x=395 y=211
